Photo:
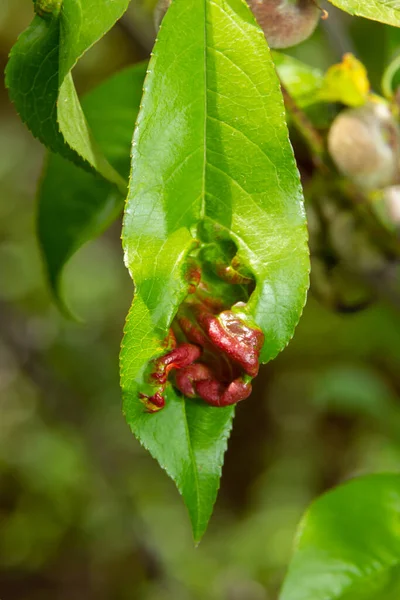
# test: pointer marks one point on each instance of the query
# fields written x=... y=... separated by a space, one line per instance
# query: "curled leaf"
x=75 y=205
x=213 y=175
x=39 y=80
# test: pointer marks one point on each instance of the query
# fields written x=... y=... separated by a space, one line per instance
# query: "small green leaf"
x=39 y=79
x=302 y=81
x=348 y=544
x=385 y=11
x=76 y=205
x=346 y=82
x=210 y=149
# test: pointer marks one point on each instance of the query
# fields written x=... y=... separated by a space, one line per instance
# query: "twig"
x=137 y=35
x=306 y=129
x=389 y=243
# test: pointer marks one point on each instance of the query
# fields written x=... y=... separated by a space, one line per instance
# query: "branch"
x=312 y=138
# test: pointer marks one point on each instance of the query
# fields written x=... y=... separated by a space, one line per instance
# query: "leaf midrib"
x=203 y=195
x=202 y=215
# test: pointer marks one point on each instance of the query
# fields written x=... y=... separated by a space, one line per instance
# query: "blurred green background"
x=84 y=511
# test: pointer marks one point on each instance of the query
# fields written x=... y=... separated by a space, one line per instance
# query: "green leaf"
x=385 y=11
x=76 y=205
x=345 y=82
x=39 y=79
x=348 y=544
x=210 y=147
x=302 y=81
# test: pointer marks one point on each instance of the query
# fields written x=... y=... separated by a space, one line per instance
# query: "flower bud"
x=286 y=23
x=391 y=198
x=47 y=9
x=364 y=144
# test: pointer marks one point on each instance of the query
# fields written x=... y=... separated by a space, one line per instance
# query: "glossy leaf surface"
x=348 y=544
x=76 y=205
x=210 y=147
x=385 y=11
x=39 y=76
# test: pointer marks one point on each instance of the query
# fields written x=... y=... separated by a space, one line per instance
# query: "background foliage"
x=84 y=511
